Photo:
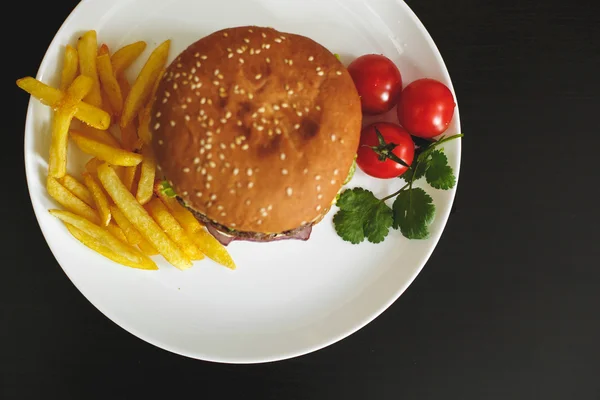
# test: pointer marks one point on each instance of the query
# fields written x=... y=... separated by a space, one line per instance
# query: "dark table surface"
x=508 y=306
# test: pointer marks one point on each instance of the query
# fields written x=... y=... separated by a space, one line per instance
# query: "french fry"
x=70 y=67
x=142 y=87
x=116 y=231
x=109 y=83
x=103 y=237
x=129 y=138
x=98 y=135
x=106 y=104
x=203 y=240
x=144 y=116
x=126 y=55
x=100 y=198
x=92 y=165
x=57 y=162
x=169 y=224
x=133 y=236
x=104 y=152
x=106 y=251
x=139 y=217
x=52 y=97
x=145 y=187
x=87 y=47
x=78 y=189
x=129 y=175
x=69 y=201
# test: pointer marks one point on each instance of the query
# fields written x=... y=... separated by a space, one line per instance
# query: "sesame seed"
x=185 y=193
x=318 y=177
x=187 y=117
x=223 y=214
x=230 y=55
x=275 y=107
x=284 y=105
x=239 y=51
x=333 y=181
x=320 y=73
x=157 y=126
x=269 y=207
x=209 y=204
x=249 y=171
x=232 y=191
x=207 y=185
x=179 y=65
x=164 y=100
x=311 y=58
x=338 y=72
x=222 y=146
x=175 y=86
x=208 y=146
x=259 y=222
x=250 y=96
x=291 y=62
x=289 y=191
x=277 y=40
x=203 y=171
x=221 y=156
x=333 y=138
x=248 y=202
x=236 y=171
x=213 y=197
x=260 y=127
x=220 y=76
x=250 y=30
x=209 y=133
x=250 y=185
x=261 y=110
x=232 y=145
x=160 y=142
x=196 y=160
x=184 y=106
x=245 y=147
x=204 y=57
x=197 y=55
x=251 y=52
x=318 y=188
x=211 y=122
x=290 y=92
x=299 y=113
x=254 y=115
x=264 y=214
x=233 y=224
x=267 y=46
x=216 y=72
x=268 y=60
x=282 y=156
x=258 y=76
x=227 y=165
x=172 y=123
x=284 y=171
x=198 y=194
x=285 y=60
x=318 y=208
x=305 y=171
x=216 y=83
x=319 y=196
x=228 y=114
x=209 y=177
x=209 y=101
x=198 y=64
x=212 y=164
x=167 y=94
x=202 y=150
x=189 y=99
x=223 y=120
x=197 y=80
x=297 y=126
x=225 y=34
x=186 y=170
x=278 y=131
x=246 y=40
x=158 y=114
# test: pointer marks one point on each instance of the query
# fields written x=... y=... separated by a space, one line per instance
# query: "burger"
x=255 y=131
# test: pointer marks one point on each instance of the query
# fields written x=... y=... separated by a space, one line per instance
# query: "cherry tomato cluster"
x=425 y=109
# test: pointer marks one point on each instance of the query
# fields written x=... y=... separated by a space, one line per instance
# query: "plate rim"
x=358 y=325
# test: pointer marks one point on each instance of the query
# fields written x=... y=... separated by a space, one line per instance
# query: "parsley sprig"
x=364 y=216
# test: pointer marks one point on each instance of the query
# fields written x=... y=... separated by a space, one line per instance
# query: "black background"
x=508 y=306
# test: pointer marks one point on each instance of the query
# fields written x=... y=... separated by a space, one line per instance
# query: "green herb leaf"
x=439 y=174
x=167 y=190
x=361 y=216
x=351 y=172
x=413 y=213
x=417 y=169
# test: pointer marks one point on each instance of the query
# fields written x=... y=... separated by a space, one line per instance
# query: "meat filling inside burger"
x=255 y=132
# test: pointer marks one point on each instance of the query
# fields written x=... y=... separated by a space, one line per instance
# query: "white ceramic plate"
x=286 y=298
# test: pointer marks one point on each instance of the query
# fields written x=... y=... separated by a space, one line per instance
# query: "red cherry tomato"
x=371 y=150
x=426 y=108
x=377 y=81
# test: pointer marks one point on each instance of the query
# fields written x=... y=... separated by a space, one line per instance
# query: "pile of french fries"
x=117 y=208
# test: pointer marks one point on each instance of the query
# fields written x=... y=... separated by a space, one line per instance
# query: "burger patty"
x=225 y=235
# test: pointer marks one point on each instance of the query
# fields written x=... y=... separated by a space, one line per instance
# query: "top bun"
x=256 y=129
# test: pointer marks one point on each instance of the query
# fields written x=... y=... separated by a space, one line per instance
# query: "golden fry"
x=57 y=162
x=92 y=165
x=105 y=238
x=98 y=135
x=100 y=198
x=131 y=233
x=169 y=224
x=139 y=217
x=70 y=67
x=106 y=251
x=116 y=231
x=141 y=89
x=109 y=83
x=87 y=47
x=69 y=201
x=129 y=138
x=144 y=132
x=52 y=97
x=78 y=189
x=104 y=152
x=145 y=187
x=129 y=175
x=203 y=240
x=126 y=55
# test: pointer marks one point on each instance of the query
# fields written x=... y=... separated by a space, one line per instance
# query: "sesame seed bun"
x=256 y=129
